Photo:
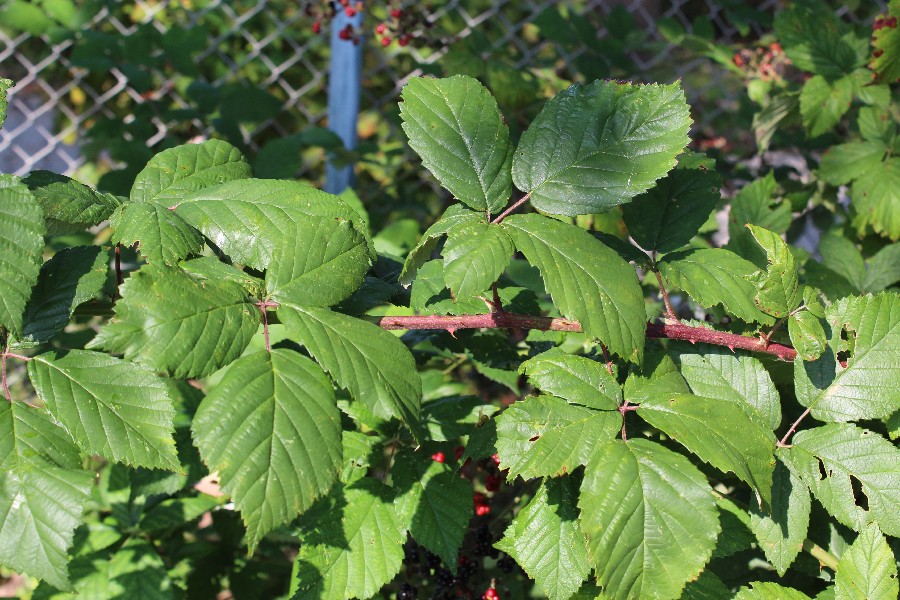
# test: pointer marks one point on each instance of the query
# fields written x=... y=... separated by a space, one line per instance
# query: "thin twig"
x=19 y=356
x=665 y=296
x=512 y=207
x=782 y=443
x=607 y=359
x=824 y=557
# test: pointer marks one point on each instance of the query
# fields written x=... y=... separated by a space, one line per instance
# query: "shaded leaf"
x=769 y=591
x=160 y=234
x=475 y=256
x=875 y=196
x=817 y=41
x=20 y=250
x=807 y=335
x=867 y=568
x=782 y=529
x=824 y=102
x=777 y=288
x=68 y=205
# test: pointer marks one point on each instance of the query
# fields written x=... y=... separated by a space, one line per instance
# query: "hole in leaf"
x=859 y=495
x=535 y=438
x=823 y=474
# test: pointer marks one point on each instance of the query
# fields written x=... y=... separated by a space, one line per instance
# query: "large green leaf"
x=667 y=216
x=454 y=216
x=782 y=529
x=42 y=492
x=715 y=276
x=883 y=269
x=351 y=543
x=475 y=256
x=576 y=379
x=545 y=540
x=248 y=219
x=867 y=387
x=824 y=102
x=595 y=146
x=867 y=569
x=110 y=407
x=828 y=458
x=374 y=365
x=176 y=172
x=171 y=322
x=546 y=436
x=68 y=205
x=650 y=519
x=319 y=262
x=73 y=276
x=716 y=372
x=21 y=246
x=844 y=162
x=455 y=126
x=777 y=288
x=875 y=196
x=272 y=429
x=160 y=234
x=720 y=433
x=433 y=502
x=587 y=281
x=818 y=41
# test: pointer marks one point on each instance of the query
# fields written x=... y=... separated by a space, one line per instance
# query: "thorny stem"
x=670 y=312
x=783 y=442
x=512 y=207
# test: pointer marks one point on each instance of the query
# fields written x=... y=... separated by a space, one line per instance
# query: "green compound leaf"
x=867 y=568
x=110 y=407
x=455 y=126
x=875 y=196
x=807 y=335
x=650 y=519
x=777 y=289
x=475 y=256
x=867 y=387
x=272 y=429
x=69 y=206
x=721 y=434
x=73 y=276
x=371 y=363
x=827 y=459
x=716 y=372
x=886 y=47
x=351 y=543
x=21 y=247
x=587 y=281
x=769 y=591
x=596 y=146
x=171 y=322
x=824 y=102
x=575 y=379
x=319 y=262
x=176 y=172
x=883 y=269
x=841 y=256
x=782 y=529
x=456 y=215
x=844 y=162
x=667 y=216
x=162 y=237
x=42 y=493
x=817 y=41
x=248 y=219
x=545 y=540
x=5 y=84
x=434 y=502
x=546 y=436
x=715 y=276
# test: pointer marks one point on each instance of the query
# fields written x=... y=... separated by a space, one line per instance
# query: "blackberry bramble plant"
x=558 y=420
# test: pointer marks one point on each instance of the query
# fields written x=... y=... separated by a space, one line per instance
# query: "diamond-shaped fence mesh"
x=128 y=79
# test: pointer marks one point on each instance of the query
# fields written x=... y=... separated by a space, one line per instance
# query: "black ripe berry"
x=407 y=592
x=506 y=564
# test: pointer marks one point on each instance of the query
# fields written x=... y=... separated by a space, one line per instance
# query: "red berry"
x=396 y=13
x=404 y=40
x=381 y=28
x=386 y=41
x=345 y=2
x=316 y=27
x=350 y=11
x=496 y=459
x=492 y=483
x=438 y=457
x=479 y=498
x=490 y=594
x=345 y=34
x=482 y=509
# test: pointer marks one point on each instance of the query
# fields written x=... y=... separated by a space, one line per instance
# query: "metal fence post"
x=343 y=95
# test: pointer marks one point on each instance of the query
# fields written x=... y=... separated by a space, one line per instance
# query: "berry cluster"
x=766 y=63
x=401 y=27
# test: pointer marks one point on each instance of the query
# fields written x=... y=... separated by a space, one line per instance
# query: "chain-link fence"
x=122 y=80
